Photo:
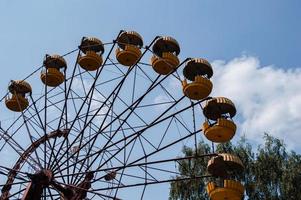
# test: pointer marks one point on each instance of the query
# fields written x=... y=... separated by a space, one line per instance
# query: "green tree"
x=191 y=189
x=271 y=172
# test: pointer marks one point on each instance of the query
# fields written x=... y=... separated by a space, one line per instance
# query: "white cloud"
x=161 y=99
x=268 y=99
x=81 y=85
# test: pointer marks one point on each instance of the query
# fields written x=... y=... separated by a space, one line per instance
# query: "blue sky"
x=260 y=37
x=214 y=29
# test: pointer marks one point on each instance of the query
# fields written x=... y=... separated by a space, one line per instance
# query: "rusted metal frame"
x=66 y=126
x=87 y=190
x=93 y=85
x=106 y=115
x=126 y=159
x=150 y=163
x=156 y=151
x=159 y=84
x=86 y=118
x=165 y=132
x=29 y=134
x=45 y=118
x=64 y=108
x=124 y=104
x=120 y=83
x=140 y=132
x=140 y=99
x=183 y=125
x=11 y=136
x=114 y=94
x=39 y=97
x=155 y=122
x=23 y=157
x=40 y=119
x=13 y=146
x=151 y=183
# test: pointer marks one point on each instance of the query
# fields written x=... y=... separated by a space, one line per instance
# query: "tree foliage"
x=271 y=172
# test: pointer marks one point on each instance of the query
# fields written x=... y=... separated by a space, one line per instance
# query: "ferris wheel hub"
x=39 y=181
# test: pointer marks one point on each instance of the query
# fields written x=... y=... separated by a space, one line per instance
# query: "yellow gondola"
x=128 y=52
x=220 y=132
x=17 y=101
x=198 y=71
x=53 y=76
x=220 y=110
x=223 y=164
x=165 y=58
x=92 y=49
x=219 y=106
x=231 y=190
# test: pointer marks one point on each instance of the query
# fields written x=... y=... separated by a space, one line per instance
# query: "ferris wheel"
x=111 y=125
